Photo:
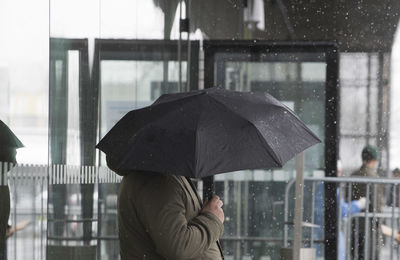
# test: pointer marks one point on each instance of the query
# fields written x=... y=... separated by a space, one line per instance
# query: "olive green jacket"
x=360 y=190
x=159 y=217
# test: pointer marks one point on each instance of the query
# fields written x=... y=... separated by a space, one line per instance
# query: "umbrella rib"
x=273 y=155
x=270 y=151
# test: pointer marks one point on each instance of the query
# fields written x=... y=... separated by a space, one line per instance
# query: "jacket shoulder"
x=153 y=178
x=150 y=184
x=358 y=172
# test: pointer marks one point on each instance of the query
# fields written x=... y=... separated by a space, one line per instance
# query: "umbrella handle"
x=208 y=187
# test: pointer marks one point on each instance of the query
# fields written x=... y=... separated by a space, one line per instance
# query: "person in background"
x=19 y=226
x=9 y=144
x=390 y=203
x=7 y=159
x=346 y=209
x=370 y=158
x=352 y=207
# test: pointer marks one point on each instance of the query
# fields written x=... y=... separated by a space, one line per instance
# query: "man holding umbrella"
x=161 y=217
x=196 y=134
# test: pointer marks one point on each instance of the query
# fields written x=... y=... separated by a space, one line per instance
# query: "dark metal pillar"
x=58 y=125
x=88 y=125
x=331 y=152
x=368 y=108
x=383 y=101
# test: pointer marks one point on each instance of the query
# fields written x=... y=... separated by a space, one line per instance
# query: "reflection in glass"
x=254 y=200
x=73 y=135
x=128 y=85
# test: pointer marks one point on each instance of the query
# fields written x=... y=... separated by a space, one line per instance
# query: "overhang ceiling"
x=357 y=26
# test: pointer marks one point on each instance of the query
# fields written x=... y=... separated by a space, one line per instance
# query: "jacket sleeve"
x=162 y=211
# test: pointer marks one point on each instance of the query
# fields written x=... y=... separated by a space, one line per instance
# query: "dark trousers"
x=358 y=241
x=4 y=214
x=3 y=251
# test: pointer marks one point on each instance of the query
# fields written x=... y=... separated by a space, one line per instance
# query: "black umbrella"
x=9 y=144
x=8 y=140
x=206 y=132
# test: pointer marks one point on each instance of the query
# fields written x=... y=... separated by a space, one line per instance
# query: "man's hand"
x=361 y=203
x=397 y=236
x=9 y=231
x=387 y=231
x=20 y=226
x=214 y=206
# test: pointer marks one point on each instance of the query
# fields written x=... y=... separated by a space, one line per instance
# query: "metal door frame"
x=59 y=48
x=212 y=47
x=139 y=50
x=142 y=50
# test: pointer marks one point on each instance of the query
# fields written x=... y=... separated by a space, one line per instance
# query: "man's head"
x=396 y=173
x=370 y=156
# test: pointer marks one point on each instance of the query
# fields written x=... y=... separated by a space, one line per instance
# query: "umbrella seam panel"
x=273 y=155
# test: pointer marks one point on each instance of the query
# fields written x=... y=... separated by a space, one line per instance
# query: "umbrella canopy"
x=8 y=139
x=206 y=132
x=9 y=143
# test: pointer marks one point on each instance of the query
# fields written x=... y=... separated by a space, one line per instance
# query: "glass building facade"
x=79 y=66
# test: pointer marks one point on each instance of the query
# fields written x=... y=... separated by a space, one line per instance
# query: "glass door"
x=131 y=74
x=72 y=137
x=303 y=77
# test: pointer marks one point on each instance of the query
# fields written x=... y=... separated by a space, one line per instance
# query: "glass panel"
x=127 y=85
x=133 y=75
x=304 y=95
x=28 y=192
x=107 y=221
x=254 y=200
x=354 y=122
x=132 y=19
x=70 y=204
x=73 y=135
x=364 y=108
